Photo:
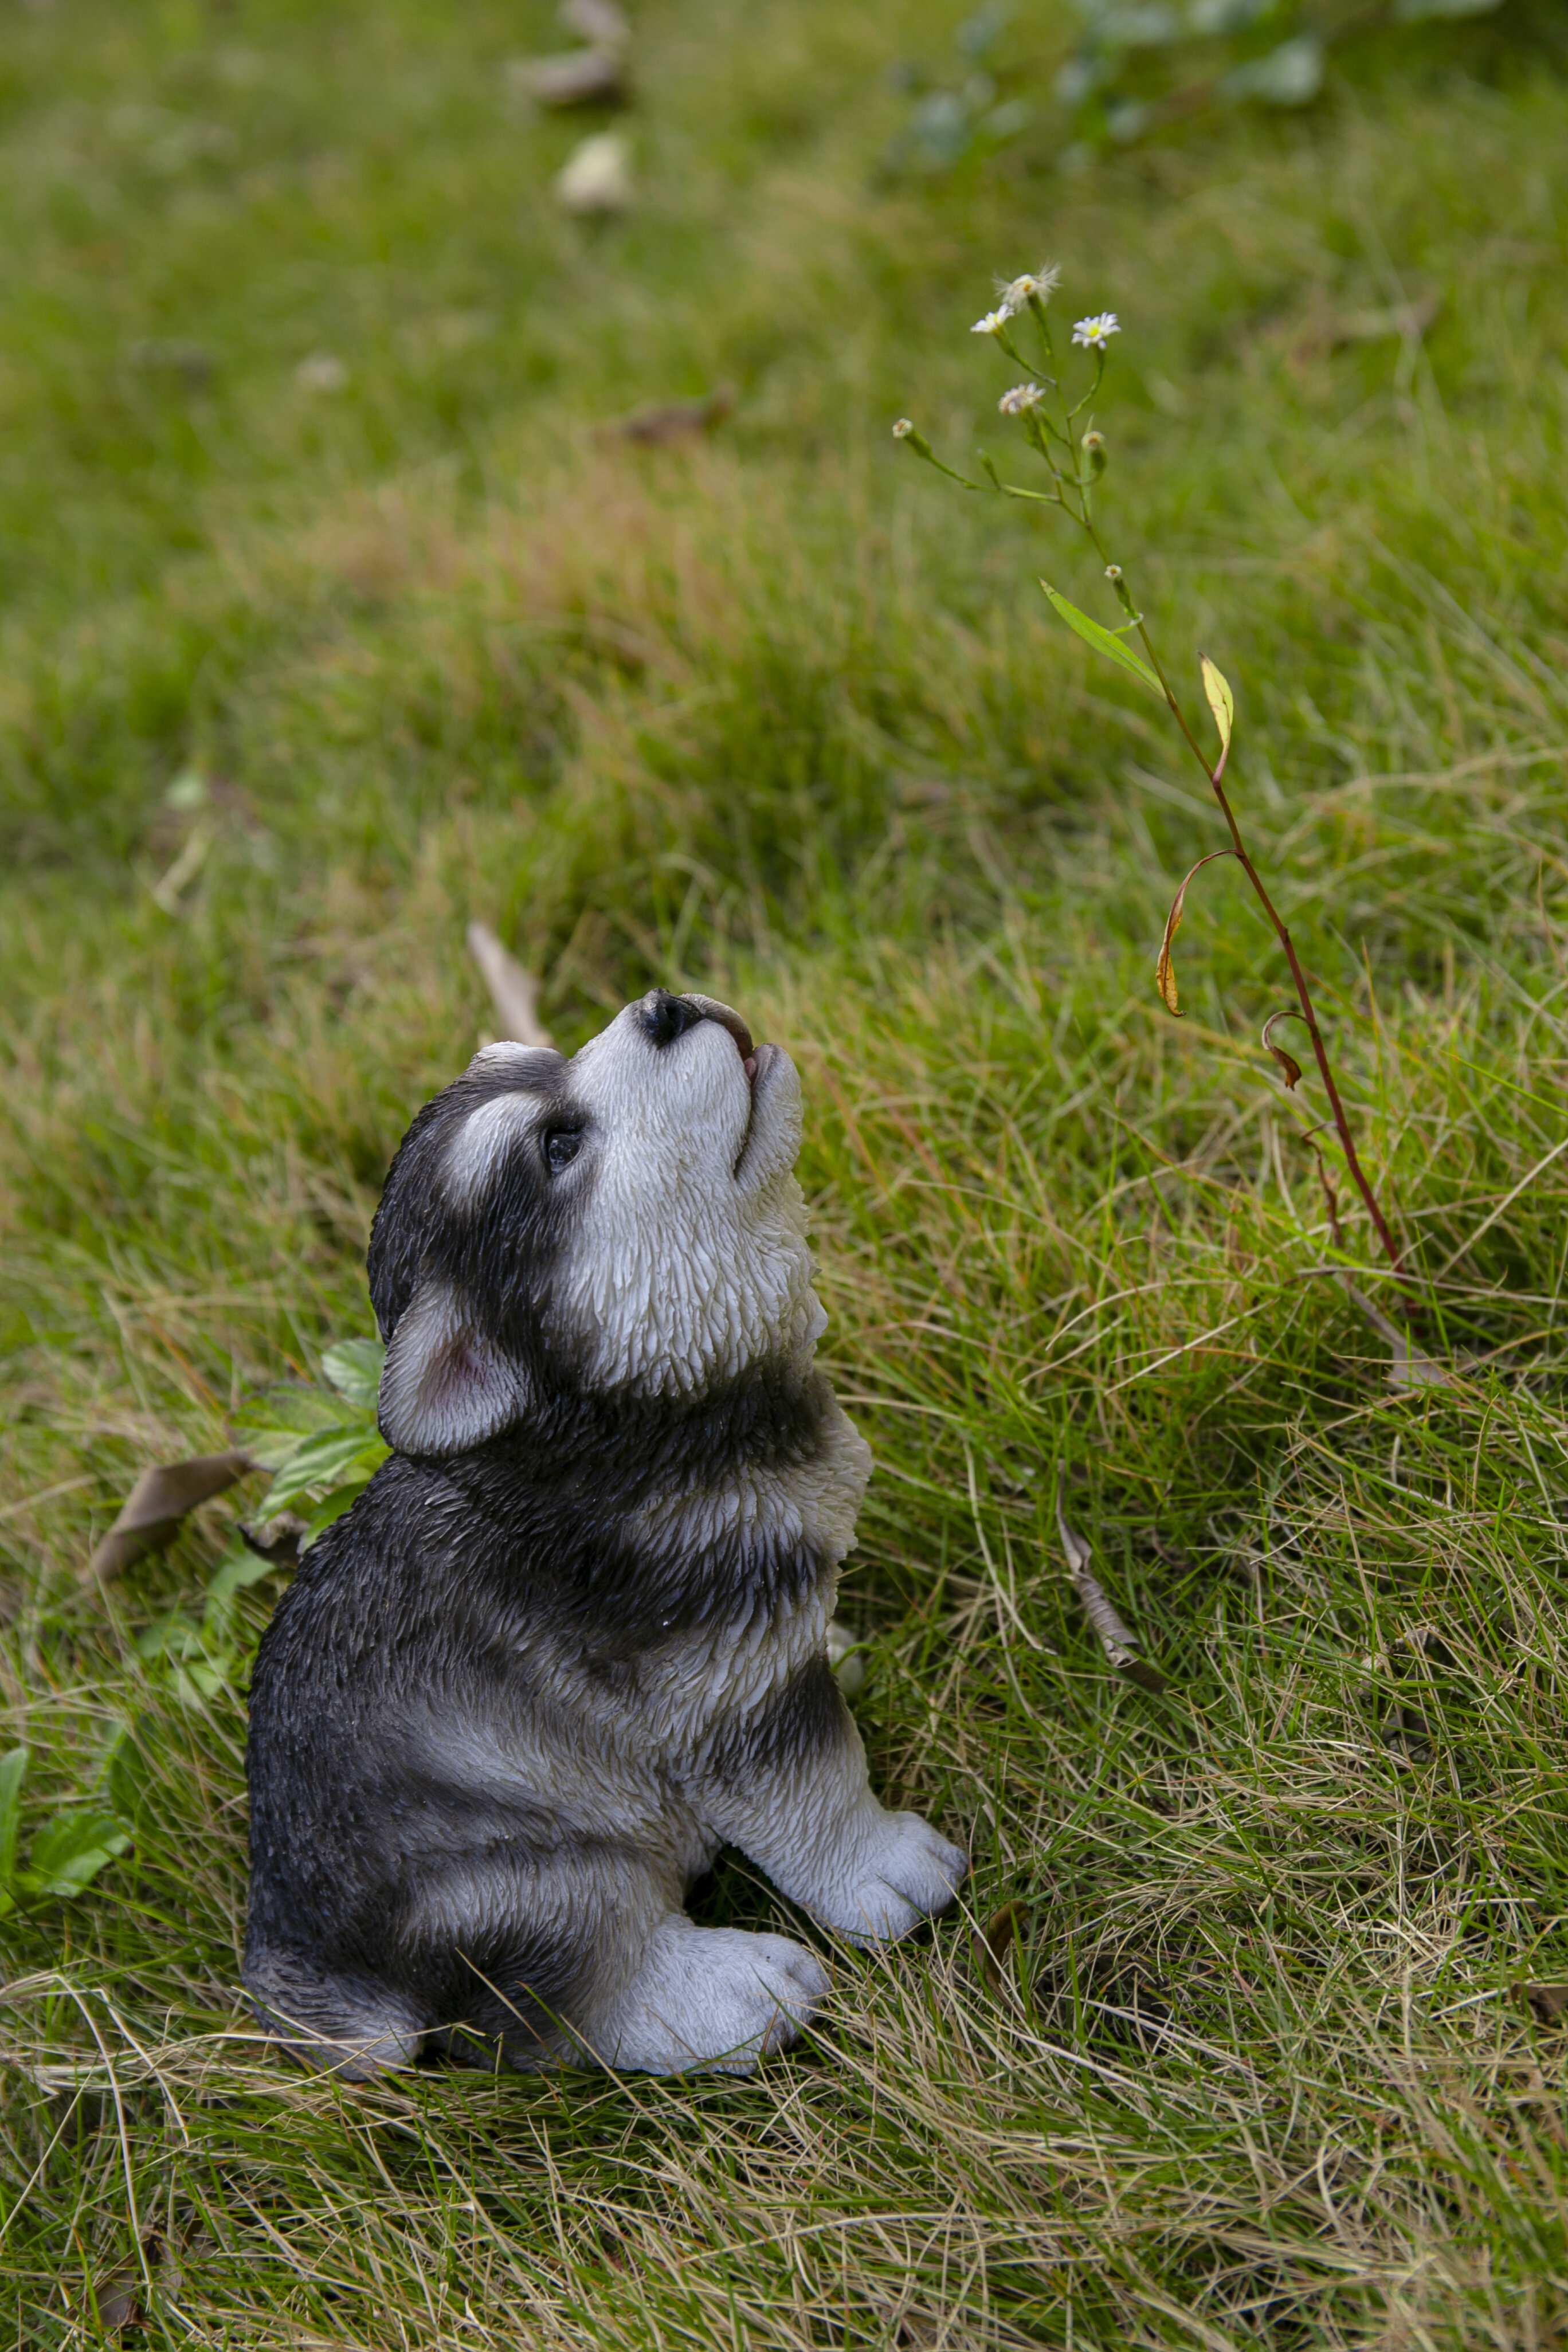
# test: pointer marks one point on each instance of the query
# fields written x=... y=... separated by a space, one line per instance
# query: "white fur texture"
x=709 y=1998
x=482 y=1143
x=691 y=1260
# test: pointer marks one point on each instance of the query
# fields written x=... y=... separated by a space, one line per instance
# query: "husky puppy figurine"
x=571 y=1640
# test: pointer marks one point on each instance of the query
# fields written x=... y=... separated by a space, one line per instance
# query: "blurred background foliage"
x=1141 y=66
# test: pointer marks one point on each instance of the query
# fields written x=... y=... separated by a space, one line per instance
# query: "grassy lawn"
x=304 y=665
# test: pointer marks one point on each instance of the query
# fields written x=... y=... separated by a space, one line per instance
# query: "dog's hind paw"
x=708 y=2000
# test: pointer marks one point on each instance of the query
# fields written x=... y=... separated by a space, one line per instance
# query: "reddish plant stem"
x=1320 y=1051
x=1281 y=932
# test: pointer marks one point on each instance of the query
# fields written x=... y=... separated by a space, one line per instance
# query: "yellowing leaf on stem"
x=1164 y=971
x=1222 y=702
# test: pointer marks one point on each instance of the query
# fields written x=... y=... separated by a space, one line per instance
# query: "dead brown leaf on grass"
x=158 y=1502
x=664 y=422
x=1547 y=2002
x=994 y=1942
x=595 y=77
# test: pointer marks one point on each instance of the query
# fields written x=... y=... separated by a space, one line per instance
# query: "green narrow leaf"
x=1103 y=641
x=12 y=1771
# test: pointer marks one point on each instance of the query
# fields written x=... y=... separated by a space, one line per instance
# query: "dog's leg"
x=704 y=2001
x=587 y=1958
x=789 y=1787
x=340 y=2025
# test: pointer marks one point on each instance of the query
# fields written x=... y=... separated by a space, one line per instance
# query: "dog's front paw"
x=904 y=1872
x=710 y=2000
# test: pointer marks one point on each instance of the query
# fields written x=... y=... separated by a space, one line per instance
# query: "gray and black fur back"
x=572 y=1638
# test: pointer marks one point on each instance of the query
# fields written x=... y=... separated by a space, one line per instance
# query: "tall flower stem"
x=1074 y=469
x=1282 y=931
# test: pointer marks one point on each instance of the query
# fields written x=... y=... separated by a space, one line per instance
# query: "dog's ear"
x=446 y=1386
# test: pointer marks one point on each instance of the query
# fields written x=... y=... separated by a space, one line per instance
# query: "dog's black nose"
x=665 y=1017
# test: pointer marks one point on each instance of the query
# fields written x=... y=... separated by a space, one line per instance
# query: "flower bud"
x=1124 y=593
x=1093 y=446
x=910 y=433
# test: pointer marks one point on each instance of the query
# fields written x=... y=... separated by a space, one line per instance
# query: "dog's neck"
x=620 y=1448
x=646 y=1518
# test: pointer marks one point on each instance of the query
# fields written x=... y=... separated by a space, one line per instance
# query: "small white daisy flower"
x=903 y=428
x=1095 y=332
x=1042 y=283
x=991 y=324
x=1020 y=400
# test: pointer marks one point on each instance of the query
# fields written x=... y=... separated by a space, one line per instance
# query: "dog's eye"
x=562 y=1144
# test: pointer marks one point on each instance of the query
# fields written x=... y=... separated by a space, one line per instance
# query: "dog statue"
x=572 y=1638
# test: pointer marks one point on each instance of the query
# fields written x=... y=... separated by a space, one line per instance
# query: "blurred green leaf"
x=332 y=1506
x=270 y=1427
x=173 y=1636
x=322 y=1461
x=240 y=1569
x=355 y=1367
x=71 y=1851
x=128 y=1781
x=12 y=1772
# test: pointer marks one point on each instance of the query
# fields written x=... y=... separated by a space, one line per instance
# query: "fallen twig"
x=1410 y=1369
x=513 y=991
x=1117 y=1640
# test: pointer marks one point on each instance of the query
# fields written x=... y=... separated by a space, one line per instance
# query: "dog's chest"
x=656 y=1627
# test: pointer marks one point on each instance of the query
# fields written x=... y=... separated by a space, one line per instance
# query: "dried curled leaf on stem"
x=1288 y=1062
x=1117 y=1640
x=1164 y=971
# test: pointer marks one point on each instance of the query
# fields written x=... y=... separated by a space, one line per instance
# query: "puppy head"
x=627 y=1220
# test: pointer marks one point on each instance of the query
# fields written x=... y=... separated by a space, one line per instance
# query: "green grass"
x=788 y=718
